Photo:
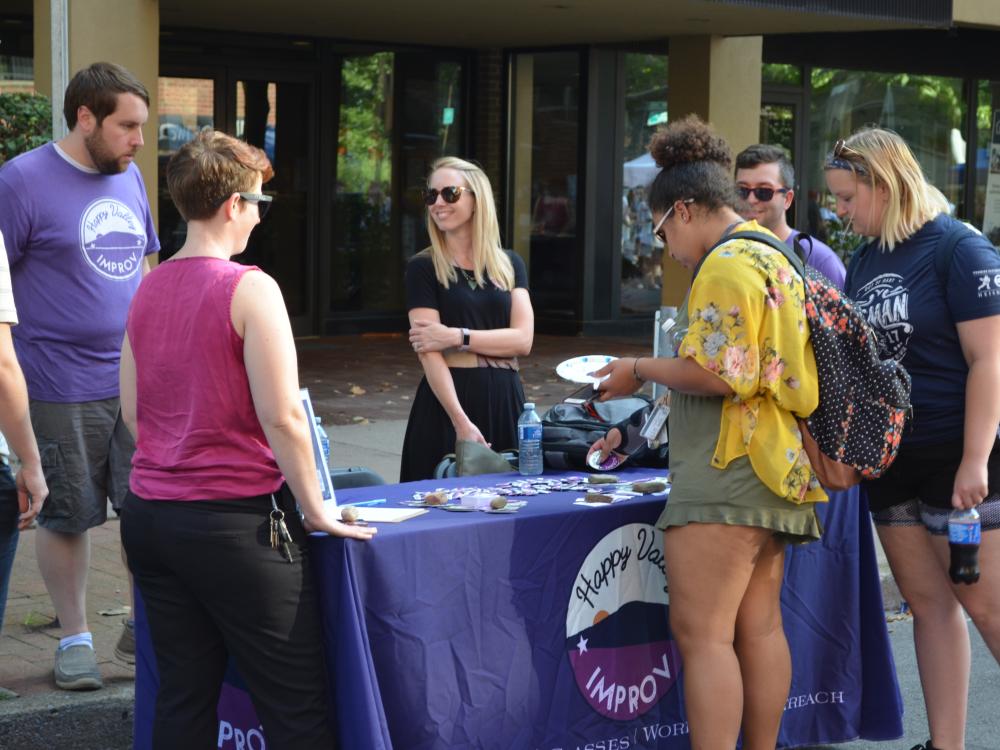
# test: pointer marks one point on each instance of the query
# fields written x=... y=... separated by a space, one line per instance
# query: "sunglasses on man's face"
x=763 y=194
x=263 y=202
x=451 y=194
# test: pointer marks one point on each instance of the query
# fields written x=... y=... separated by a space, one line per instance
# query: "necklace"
x=470 y=277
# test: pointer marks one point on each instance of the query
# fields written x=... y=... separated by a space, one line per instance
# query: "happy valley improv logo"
x=617 y=635
x=113 y=240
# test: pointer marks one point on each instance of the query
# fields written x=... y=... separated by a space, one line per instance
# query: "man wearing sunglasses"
x=765 y=182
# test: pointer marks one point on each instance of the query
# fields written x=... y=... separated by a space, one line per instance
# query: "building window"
x=987 y=160
x=927 y=111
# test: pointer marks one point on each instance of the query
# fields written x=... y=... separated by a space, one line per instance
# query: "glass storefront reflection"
x=362 y=257
x=641 y=254
x=987 y=157
x=543 y=177
x=927 y=111
x=185 y=107
x=274 y=116
x=398 y=113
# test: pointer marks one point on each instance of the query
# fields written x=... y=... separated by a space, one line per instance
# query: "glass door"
x=276 y=112
x=544 y=165
x=187 y=104
x=781 y=125
x=397 y=113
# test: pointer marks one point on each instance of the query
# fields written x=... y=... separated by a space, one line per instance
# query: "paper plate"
x=578 y=369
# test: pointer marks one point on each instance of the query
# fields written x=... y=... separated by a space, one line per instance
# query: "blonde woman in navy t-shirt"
x=209 y=386
x=943 y=325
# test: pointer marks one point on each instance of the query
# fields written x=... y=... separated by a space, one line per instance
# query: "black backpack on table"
x=568 y=430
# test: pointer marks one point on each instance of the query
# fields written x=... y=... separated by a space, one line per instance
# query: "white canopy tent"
x=640 y=172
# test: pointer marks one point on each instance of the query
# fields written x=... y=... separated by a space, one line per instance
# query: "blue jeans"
x=8 y=531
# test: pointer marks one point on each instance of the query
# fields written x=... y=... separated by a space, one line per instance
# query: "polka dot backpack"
x=864 y=400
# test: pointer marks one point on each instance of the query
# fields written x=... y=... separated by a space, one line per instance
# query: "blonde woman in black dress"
x=470 y=319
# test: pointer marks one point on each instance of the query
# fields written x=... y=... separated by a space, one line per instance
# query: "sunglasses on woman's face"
x=763 y=194
x=263 y=202
x=451 y=194
x=657 y=231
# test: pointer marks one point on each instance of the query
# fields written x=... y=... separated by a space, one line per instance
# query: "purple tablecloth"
x=548 y=629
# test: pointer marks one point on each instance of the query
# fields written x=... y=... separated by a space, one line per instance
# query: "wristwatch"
x=466 y=340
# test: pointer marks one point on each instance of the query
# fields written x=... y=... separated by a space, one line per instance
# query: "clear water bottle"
x=529 y=441
x=324 y=440
x=963 y=539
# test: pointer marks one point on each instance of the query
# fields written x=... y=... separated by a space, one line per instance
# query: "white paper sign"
x=322 y=469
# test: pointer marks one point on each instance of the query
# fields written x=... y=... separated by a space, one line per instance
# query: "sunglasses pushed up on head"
x=845 y=157
x=450 y=194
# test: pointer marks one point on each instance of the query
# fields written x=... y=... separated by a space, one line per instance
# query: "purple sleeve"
x=152 y=239
x=823 y=259
x=15 y=225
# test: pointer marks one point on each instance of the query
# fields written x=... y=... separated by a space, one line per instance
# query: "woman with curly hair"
x=742 y=369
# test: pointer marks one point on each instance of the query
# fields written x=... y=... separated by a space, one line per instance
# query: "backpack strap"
x=803 y=244
x=769 y=240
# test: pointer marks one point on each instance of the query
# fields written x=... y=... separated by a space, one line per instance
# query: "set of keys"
x=281 y=540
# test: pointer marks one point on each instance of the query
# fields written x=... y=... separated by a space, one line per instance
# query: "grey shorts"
x=918 y=513
x=86 y=456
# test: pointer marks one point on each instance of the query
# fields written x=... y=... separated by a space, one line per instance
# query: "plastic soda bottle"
x=963 y=539
x=529 y=441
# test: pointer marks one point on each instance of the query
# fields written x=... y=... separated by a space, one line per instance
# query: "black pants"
x=214 y=588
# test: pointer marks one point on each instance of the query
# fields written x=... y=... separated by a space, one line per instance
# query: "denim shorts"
x=86 y=455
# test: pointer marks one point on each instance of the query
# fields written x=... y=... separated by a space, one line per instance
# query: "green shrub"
x=25 y=122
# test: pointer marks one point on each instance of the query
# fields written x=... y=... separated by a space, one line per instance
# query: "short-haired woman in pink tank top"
x=209 y=389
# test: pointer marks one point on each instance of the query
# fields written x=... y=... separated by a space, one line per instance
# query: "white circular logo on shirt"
x=113 y=240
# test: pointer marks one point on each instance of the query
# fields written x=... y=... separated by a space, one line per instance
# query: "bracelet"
x=635 y=370
x=466 y=340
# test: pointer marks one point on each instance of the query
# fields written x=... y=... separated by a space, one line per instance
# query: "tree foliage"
x=25 y=123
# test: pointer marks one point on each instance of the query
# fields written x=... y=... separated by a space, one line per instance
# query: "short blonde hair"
x=488 y=256
x=881 y=158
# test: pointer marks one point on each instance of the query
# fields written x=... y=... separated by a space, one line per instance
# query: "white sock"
x=75 y=640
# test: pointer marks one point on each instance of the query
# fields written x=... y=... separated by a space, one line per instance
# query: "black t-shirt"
x=460 y=305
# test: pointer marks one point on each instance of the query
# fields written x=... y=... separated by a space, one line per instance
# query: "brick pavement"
x=352 y=380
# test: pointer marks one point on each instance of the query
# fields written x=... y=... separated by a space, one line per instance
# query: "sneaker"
x=125 y=649
x=76 y=668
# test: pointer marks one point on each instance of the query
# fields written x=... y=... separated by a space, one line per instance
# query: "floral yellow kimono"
x=747 y=325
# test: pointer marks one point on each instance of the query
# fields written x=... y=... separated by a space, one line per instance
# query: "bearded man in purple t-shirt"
x=78 y=228
x=765 y=184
